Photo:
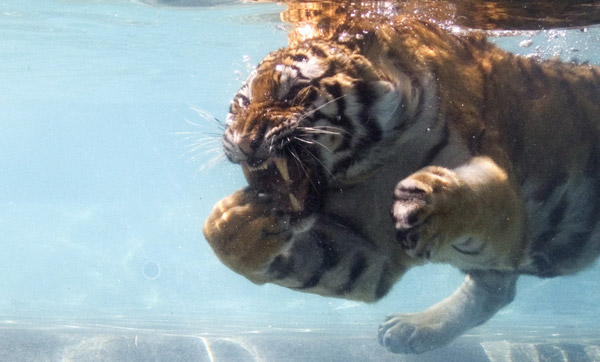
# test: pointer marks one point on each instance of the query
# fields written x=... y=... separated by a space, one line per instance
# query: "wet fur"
x=489 y=163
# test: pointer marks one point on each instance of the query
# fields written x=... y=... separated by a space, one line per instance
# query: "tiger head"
x=312 y=115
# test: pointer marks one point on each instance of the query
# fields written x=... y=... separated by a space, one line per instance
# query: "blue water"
x=103 y=193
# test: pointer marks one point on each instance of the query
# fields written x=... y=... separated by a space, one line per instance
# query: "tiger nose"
x=247 y=144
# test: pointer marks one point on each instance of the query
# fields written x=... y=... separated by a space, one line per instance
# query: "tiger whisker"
x=194 y=147
x=207 y=116
x=200 y=145
x=315 y=142
x=197 y=153
x=327 y=126
x=303 y=140
x=196 y=133
x=203 y=140
x=311 y=112
x=205 y=148
x=212 y=162
x=318 y=160
x=301 y=164
x=323 y=128
x=318 y=131
x=196 y=140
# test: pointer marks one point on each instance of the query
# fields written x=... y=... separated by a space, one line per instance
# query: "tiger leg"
x=315 y=254
x=246 y=232
x=480 y=296
x=471 y=217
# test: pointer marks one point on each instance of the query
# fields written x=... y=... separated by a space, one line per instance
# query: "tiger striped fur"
x=488 y=161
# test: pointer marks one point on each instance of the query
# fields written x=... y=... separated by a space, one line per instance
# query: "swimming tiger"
x=375 y=147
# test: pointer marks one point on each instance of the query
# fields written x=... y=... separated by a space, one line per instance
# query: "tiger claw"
x=407 y=239
x=411 y=212
x=408 y=214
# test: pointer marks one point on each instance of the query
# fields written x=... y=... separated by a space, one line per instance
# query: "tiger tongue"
x=273 y=177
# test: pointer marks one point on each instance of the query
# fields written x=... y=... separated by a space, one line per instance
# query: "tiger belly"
x=551 y=133
x=564 y=225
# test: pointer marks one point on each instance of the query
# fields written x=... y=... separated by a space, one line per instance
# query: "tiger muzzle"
x=292 y=185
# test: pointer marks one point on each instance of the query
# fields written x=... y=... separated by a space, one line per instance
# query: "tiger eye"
x=299 y=57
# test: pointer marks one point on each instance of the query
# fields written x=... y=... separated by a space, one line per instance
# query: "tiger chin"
x=374 y=148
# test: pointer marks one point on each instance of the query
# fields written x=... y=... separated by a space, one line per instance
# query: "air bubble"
x=151 y=270
x=344 y=37
x=526 y=43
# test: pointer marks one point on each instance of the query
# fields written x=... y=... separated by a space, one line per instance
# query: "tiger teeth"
x=262 y=166
x=281 y=164
x=295 y=203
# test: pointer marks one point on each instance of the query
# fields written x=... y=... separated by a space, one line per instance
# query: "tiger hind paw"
x=407 y=333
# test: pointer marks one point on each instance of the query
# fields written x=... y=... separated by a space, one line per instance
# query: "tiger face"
x=313 y=115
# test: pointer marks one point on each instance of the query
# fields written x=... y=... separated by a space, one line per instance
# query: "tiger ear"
x=387 y=105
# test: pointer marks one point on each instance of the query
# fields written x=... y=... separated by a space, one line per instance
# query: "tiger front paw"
x=412 y=333
x=246 y=232
x=423 y=210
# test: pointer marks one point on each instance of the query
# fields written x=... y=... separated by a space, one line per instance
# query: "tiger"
x=374 y=145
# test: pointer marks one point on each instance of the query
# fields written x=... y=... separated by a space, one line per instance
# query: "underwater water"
x=110 y=163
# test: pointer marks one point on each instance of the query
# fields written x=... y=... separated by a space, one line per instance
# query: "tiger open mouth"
x=288 y=183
